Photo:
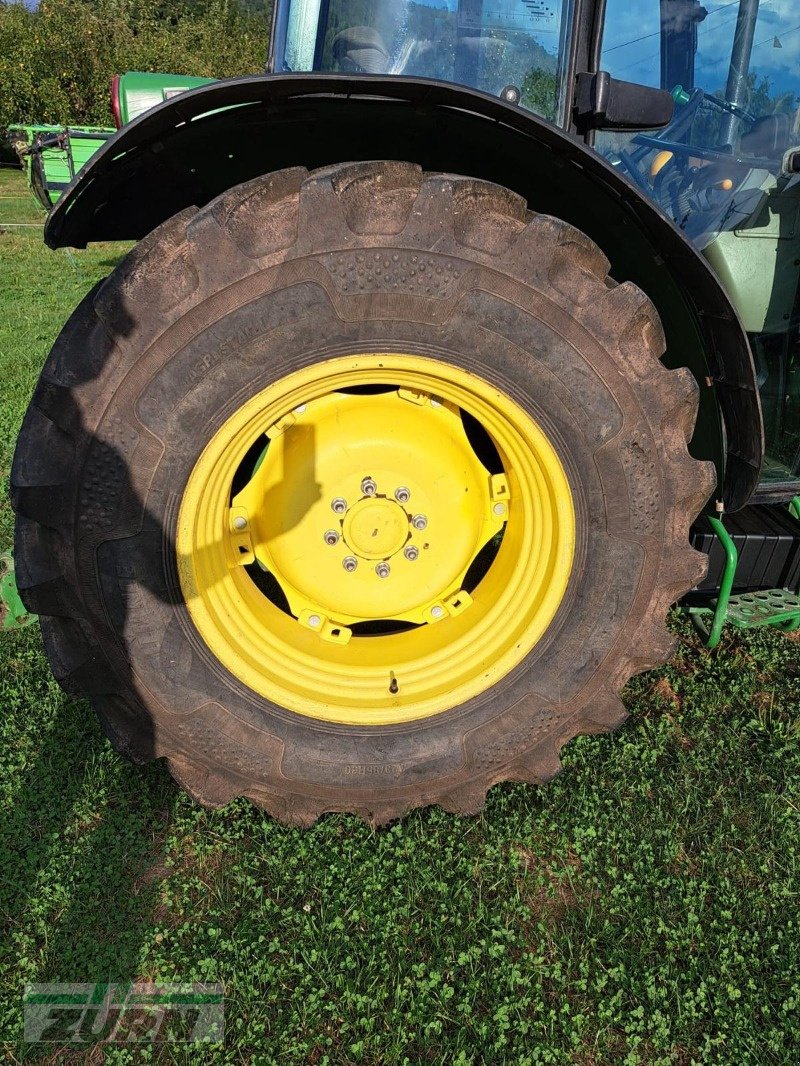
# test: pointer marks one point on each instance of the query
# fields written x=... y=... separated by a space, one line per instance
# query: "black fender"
x=193 y=147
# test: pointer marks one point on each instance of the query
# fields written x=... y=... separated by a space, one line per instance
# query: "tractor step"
x=12 y=610
x=750 y=608
x=769 y=607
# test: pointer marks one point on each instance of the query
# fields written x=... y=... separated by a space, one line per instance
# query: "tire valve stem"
x=394 y=688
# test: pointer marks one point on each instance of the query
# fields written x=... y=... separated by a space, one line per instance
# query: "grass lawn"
x=642 y=909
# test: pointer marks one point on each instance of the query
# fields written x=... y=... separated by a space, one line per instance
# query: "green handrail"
x=726 y=585
x=794 y=507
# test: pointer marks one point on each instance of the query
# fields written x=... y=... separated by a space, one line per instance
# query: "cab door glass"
x=734 y=71
x=718 y=168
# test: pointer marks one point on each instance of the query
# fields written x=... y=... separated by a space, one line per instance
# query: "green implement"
x=135 y=92
x=12 y=610
x=53 y=155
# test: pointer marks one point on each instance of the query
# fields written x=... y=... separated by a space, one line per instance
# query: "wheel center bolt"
x=382 y=569
x=338 y=505
x=411 y=552
x=368 y=487
x=350 y=563
x=331 y=537
x=402 y=495
x=419 y=521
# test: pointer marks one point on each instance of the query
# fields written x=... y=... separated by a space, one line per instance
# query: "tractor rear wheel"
x=358 y=489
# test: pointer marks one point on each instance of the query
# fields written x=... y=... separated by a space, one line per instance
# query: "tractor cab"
x=723 y=169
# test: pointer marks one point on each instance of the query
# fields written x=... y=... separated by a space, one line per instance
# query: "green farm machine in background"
x=454 y=350
x=53 y=155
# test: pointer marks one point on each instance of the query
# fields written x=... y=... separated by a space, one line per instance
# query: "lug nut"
x=368 y=487
x=419 y=521
x=331 y=537
x=382 y=569
x=411 y=553
x=350 y=563
x=338 y=505
x=402 y=495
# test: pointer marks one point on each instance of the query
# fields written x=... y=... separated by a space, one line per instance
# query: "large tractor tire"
x=357 y=490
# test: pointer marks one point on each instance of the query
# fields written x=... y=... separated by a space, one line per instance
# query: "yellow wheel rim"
x=375 y=539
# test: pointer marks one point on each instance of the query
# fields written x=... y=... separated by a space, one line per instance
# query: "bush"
x=56 y=63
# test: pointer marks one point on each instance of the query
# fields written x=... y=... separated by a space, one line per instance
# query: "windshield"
x=493 y=45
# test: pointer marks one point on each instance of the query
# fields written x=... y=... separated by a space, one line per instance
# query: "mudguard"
x=193 y=147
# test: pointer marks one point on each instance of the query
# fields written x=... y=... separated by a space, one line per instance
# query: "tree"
x=57 y=62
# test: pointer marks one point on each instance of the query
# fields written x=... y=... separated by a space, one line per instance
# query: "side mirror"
x=604 y=103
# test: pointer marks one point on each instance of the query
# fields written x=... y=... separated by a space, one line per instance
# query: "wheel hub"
x=376 y=528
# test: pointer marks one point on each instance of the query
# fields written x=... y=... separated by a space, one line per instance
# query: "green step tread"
x=767 y=607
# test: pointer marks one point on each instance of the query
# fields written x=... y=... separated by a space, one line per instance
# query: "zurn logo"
x=141 y=1012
